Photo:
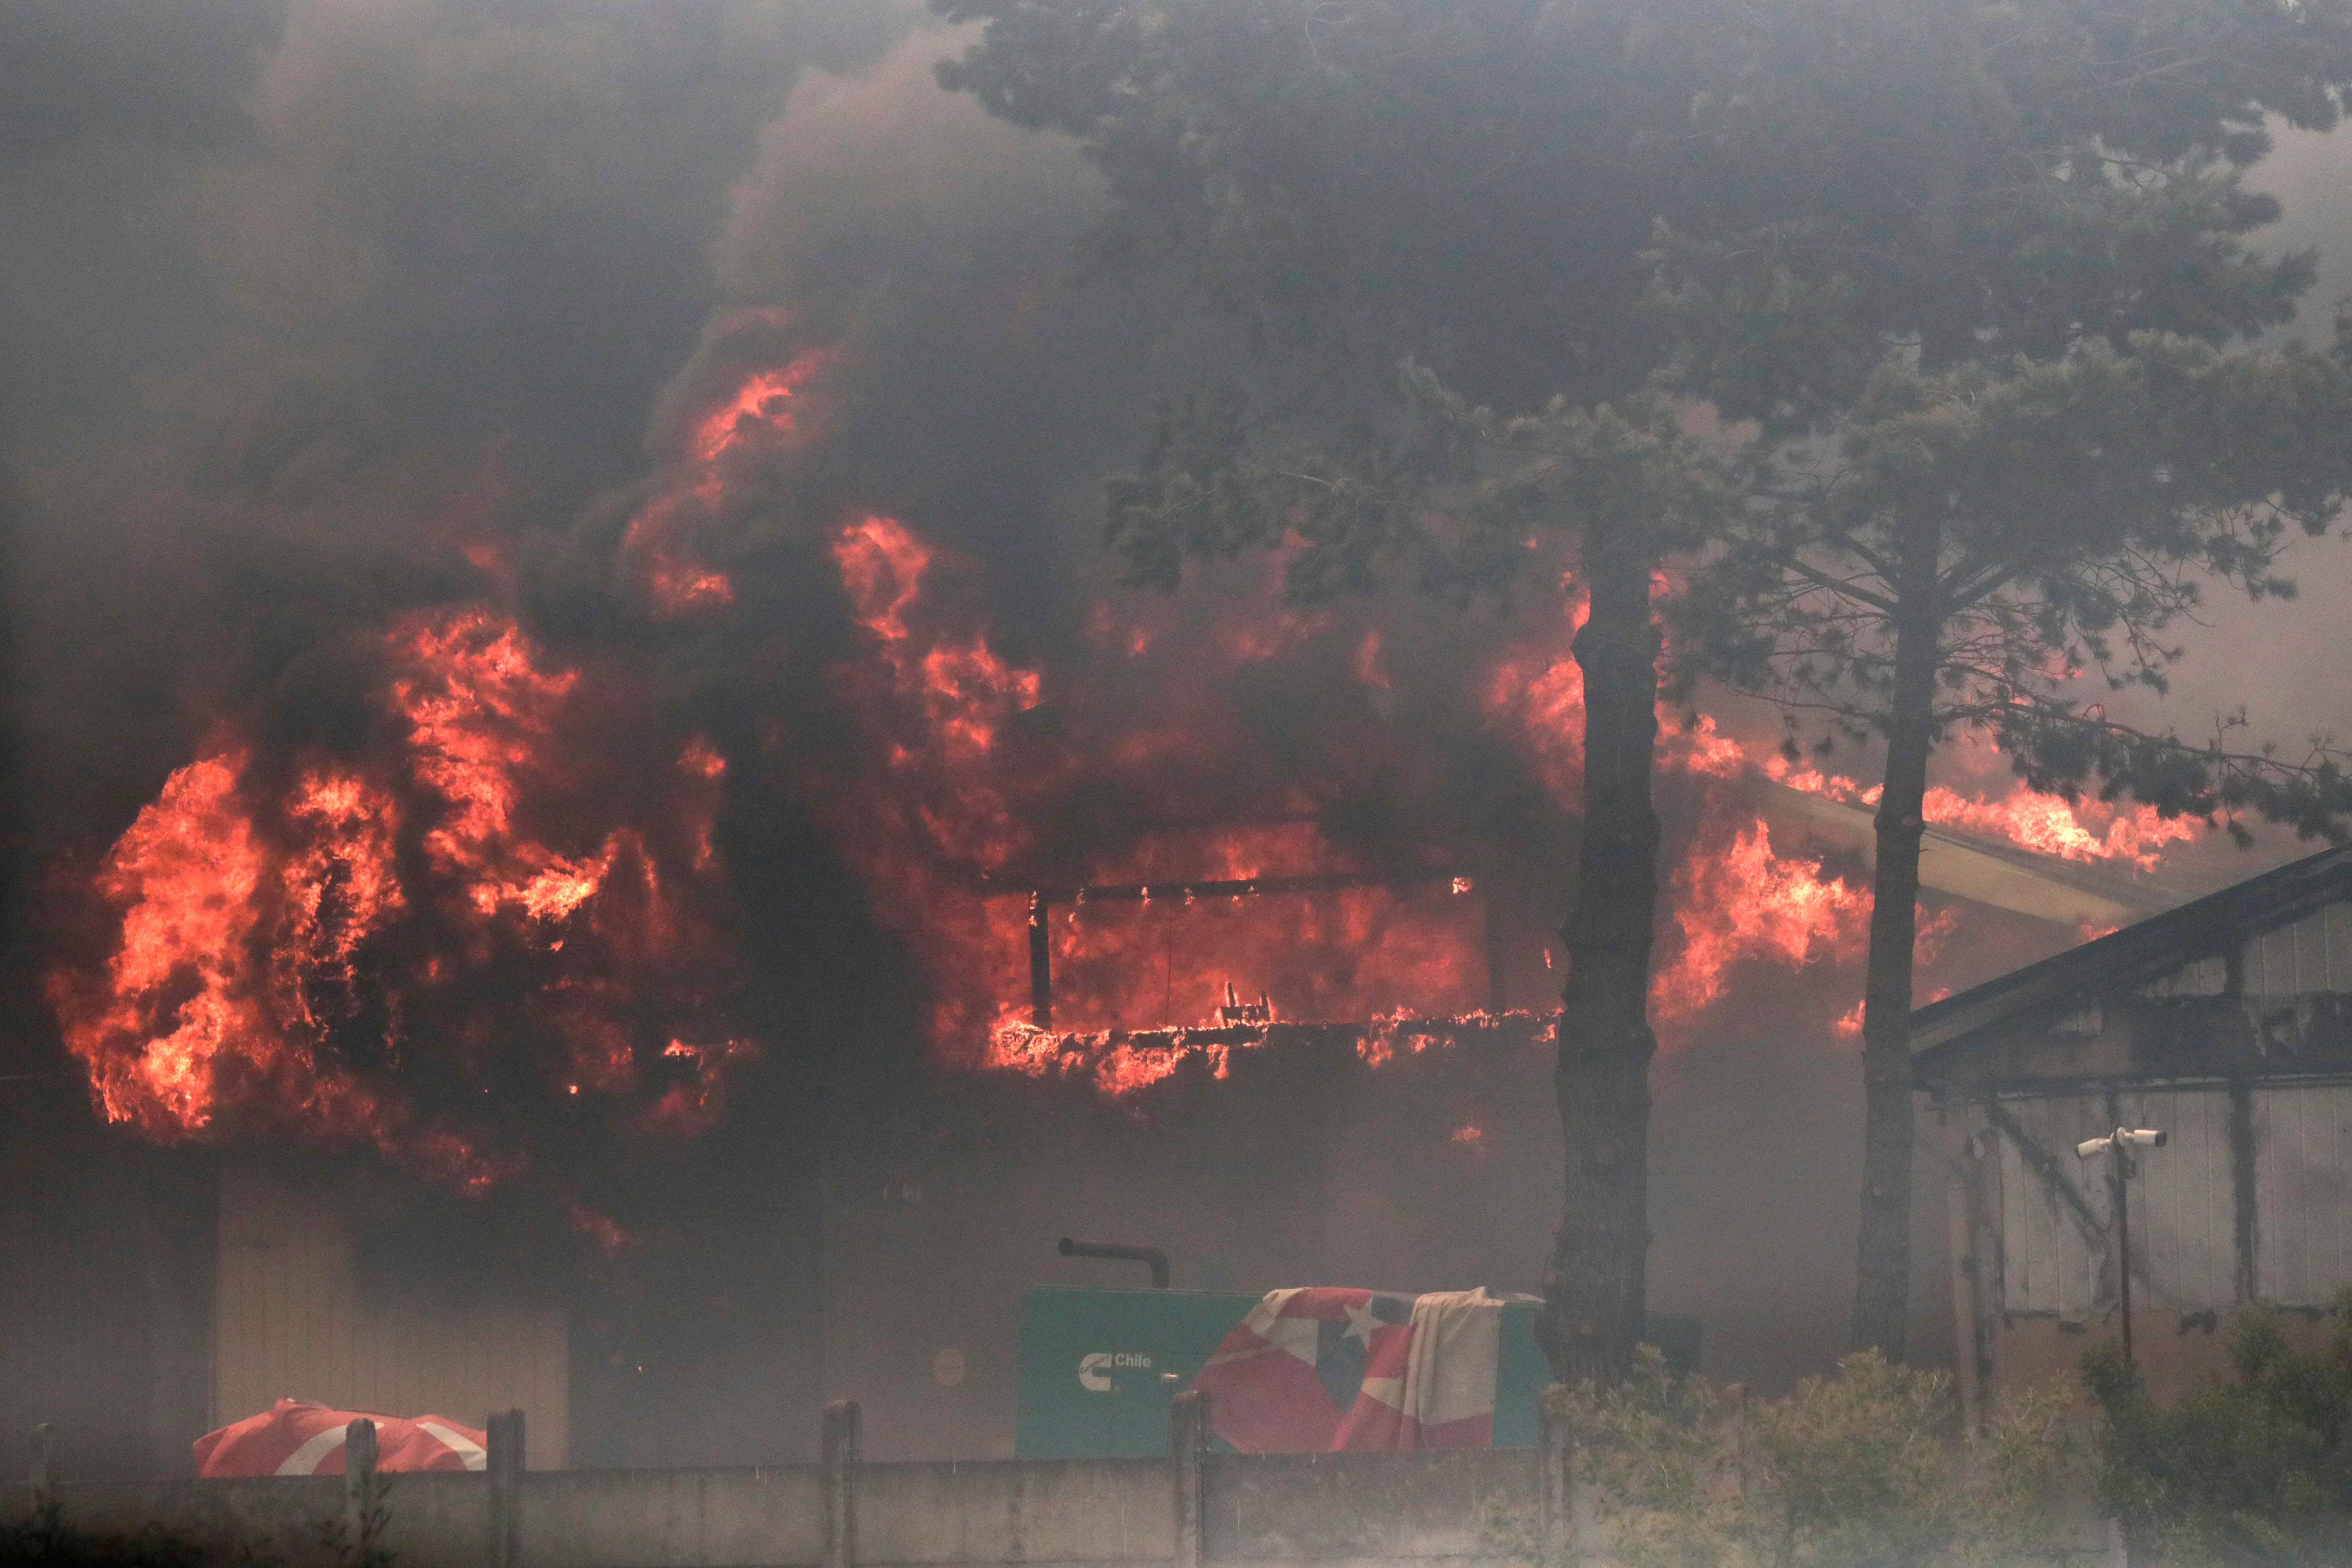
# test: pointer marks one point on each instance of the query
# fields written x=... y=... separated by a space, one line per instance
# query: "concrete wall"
x=1345 y=1511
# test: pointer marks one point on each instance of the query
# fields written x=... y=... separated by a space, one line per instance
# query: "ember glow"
x=762 y=408
x=297 y=955
x=765 y=413
x=948 y=820
x=675 y=582
x=1119 y=1062
x=956 y=804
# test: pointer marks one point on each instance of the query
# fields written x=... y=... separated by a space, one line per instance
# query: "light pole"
x=2119 y=1146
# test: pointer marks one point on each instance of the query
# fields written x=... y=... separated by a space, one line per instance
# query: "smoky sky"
x=298 y=294
x=294 y=292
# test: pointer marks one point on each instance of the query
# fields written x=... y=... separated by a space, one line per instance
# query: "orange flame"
x=958 y=796
x=2084 y=830
x=762 y=407
x=253 y=979
x=1748 y=902
x=958 y=805
x=761 y=418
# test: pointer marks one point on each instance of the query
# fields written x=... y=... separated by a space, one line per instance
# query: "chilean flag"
x=295 y=1437
x=1318 y=1369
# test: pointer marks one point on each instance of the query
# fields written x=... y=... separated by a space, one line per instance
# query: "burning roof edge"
x=2203 y=927
x=2004 y=875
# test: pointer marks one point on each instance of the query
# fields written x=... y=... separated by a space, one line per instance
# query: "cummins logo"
x=1095 y=1367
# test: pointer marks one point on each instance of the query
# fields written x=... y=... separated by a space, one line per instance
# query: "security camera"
x=2127 y=1137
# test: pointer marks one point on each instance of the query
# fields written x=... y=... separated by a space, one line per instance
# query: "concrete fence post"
x=360 y=1515
x=1556 y=1444
x=838 y=1441
x=502 y=1467
x=1188 y=1442
x=44 y=1475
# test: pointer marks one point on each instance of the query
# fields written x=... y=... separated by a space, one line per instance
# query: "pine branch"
x=2063 y=751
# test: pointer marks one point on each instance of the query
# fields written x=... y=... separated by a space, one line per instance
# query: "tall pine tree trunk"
x=1593 y=1293
x=1881 y=1295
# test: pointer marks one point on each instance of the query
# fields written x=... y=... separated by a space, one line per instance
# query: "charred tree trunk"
x=1593 y=1292
x=1882 y=1293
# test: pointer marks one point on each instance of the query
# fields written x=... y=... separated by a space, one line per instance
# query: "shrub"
x=2254 y=1471
x=1848 y=1471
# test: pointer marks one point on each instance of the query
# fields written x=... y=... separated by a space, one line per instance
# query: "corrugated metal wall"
x=292 y=1320
x=105 y=1282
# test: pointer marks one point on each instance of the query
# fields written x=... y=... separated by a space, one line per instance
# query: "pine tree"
x=1472 y=185
x=1974 y=272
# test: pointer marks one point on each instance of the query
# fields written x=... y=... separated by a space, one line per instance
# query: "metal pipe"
x=1041 y=963
x=1319 y=883
x=1151 y=1255
x=2121 y=1167
x=2122 y=1242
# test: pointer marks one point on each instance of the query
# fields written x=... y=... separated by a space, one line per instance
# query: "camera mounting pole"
x=2122 y=1166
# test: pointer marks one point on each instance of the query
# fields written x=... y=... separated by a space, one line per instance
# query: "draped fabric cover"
x=1317 y=1369
x=295 y=1437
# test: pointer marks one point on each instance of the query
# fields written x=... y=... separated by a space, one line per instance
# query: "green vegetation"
x=1861 y=1469
x=1853 y=1470
x=2255 y=1471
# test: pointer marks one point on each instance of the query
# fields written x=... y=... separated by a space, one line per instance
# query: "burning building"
x=667 y=885
x=1268 y=981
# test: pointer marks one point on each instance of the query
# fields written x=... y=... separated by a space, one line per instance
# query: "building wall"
x=2031 y=1352
x=105 y=1274
x=2249 y=1199
x=1303 y=1166
x=293 y=1317
x=2303 y=1194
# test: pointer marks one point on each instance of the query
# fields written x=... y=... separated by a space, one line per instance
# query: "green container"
x=1098 y=1367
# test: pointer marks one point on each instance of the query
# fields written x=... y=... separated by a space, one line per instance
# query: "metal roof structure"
x=2208 y=927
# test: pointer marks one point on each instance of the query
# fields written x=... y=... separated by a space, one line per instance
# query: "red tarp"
x=299 y=1438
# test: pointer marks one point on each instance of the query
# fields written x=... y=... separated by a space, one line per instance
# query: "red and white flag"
x=1317 y=1369
x=295 y=1437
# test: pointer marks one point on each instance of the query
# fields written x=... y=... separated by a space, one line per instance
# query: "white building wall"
x=2184 y=1225
x=2303 y=1194
x=2183 y=1201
